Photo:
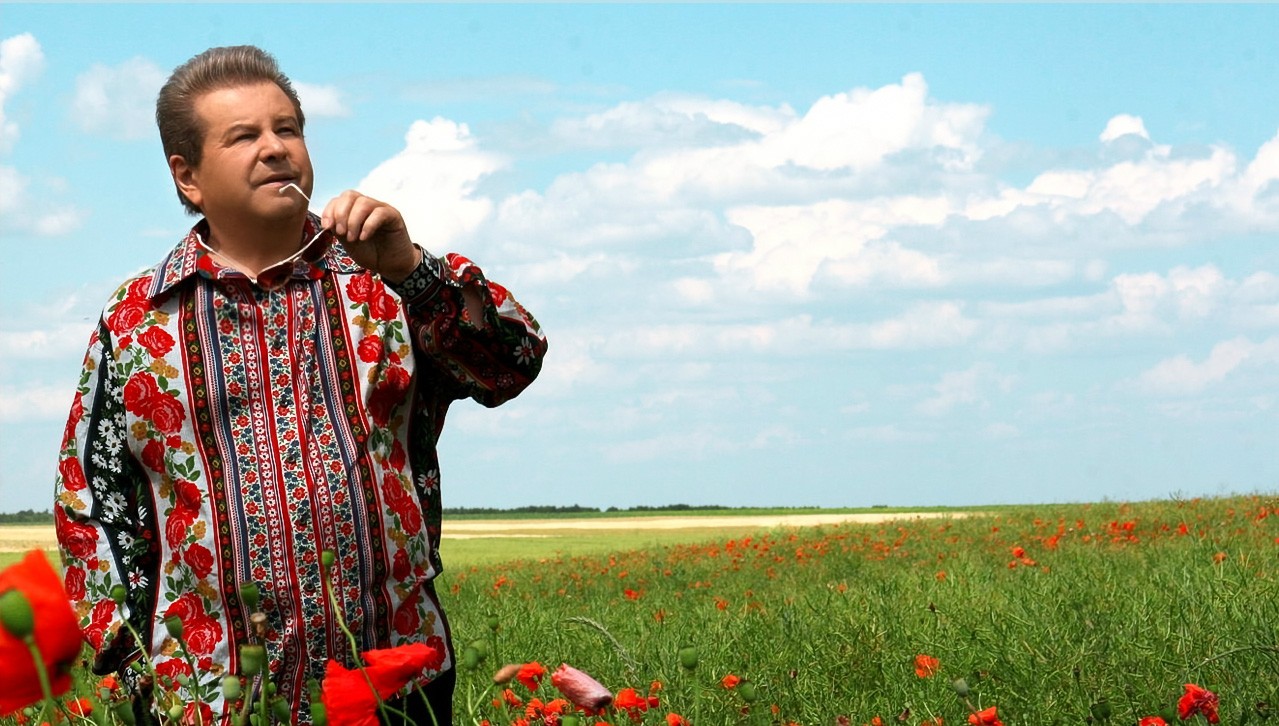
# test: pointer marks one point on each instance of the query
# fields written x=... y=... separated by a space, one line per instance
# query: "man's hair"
x=214 y=69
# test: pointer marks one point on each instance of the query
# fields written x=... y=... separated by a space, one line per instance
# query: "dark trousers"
x=435 y=699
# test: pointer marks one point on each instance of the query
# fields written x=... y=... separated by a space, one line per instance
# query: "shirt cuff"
x=423 y=282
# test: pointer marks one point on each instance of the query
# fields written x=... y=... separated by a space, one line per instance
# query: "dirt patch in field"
x=20 y=538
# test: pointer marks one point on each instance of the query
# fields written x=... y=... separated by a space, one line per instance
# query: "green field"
x=1061 y=614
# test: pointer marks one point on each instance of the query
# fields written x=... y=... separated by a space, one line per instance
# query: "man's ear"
x=185 y=176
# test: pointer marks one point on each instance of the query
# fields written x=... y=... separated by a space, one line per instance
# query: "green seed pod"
x=123 y=711
x=175 y=712
x=174 y=625
x=251 y=659
x=327 y=558
x=231 y=688
x=182 y=679
x=1100 y=710
x=319 y=717
x=481 y=648
x=118 y=593
x=746 y=690
x=470 y=657
x=281 y=711
x=688 y=657
x=16 y=615
x=961 y=687
x=493 y=623
x=250 y=595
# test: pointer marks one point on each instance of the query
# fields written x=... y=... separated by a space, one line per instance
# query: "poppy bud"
x=249 y=595
x=319 y=717
x=570 y=720
x=258 y=621
x=746 y=690
x=327 y=558
x=16 y=615
x=470 y=657
x=251 y=659
x=174 y=625
x=175 y=712
x=493 y=623
x=580 y=689
x=281 y=711
x=182 y=679
x=231 y=689
x=118 y=593
x=688 y=657
x=961 y=687
x=123 y=711
x=1100 y=710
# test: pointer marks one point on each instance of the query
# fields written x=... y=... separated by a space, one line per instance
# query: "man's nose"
x=273 y=147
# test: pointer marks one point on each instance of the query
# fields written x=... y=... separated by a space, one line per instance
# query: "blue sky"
x=833 y=255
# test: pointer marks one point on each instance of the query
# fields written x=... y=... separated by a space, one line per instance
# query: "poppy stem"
x=50 y=705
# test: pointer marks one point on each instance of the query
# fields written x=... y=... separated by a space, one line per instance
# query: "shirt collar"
x=189 y=260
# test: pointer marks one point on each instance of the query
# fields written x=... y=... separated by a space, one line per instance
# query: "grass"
x=1063 y=614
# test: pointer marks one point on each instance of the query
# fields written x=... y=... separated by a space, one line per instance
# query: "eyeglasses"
x=274 y=276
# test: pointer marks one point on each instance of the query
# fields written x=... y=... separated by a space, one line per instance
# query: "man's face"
x=253 y=147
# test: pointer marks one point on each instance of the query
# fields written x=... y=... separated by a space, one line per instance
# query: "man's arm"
x=99 y=508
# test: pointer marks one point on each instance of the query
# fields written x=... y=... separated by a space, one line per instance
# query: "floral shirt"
x=222 y=434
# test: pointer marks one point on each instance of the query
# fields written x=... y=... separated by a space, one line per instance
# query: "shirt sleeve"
x=102 y=515
x=471 y=329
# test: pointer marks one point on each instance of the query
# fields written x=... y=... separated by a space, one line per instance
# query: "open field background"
x=1054 y=615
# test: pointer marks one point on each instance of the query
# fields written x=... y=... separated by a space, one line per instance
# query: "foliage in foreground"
x=1062 y=614
x=1142 y=613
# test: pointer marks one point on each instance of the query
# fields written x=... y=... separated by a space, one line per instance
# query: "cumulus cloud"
x=24 y=210
x=321 y=101
x=1122 y=125
x=21 y=60
x=1182 y=375
x=118 y=101
x=433 y=180
x=968 y=387
x=34 y=403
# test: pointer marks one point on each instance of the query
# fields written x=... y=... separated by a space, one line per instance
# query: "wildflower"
x=926 y=665
x=80 y=707
x=932 y=722
x=674 y=719
x=987 y=717
x=631 y=594
x=56 y=634
x=1197 y=700
x=506 y=673
x=730 y=681
x=346 y=694
x=1152 y=721
x=530 y=674
x=631 y=702
x=584 y=692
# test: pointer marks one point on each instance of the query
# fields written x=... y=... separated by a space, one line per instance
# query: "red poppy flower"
x=1152 y=721
x=674 y=719
x=346 y=695
x=57 y=634
x=585 y=692
x=632 y=702
x=1197 y=700
x=987 y=717
x=531 y=675
x=730 y=681
x=926 y=665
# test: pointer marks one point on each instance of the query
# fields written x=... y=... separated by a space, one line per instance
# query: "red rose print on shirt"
x=360 y=288
x=157 y=341
x=72 y=474
x=166 y=412
x=78 y=539
x=127 y=316
x=200 y=560
x=138 y=391
x=370 y=349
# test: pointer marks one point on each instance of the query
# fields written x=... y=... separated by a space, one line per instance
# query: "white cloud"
x=34 y=403
x=118 y=101
x=321 y=101
x=432 y=182
x=36 y=213
x=21 y=60
x=1181 y=375
x=966 y=387
x=1122 y=125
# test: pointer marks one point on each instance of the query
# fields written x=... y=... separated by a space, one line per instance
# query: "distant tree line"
x=27 y=516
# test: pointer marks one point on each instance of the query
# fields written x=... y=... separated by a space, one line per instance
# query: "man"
x=272 y=390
